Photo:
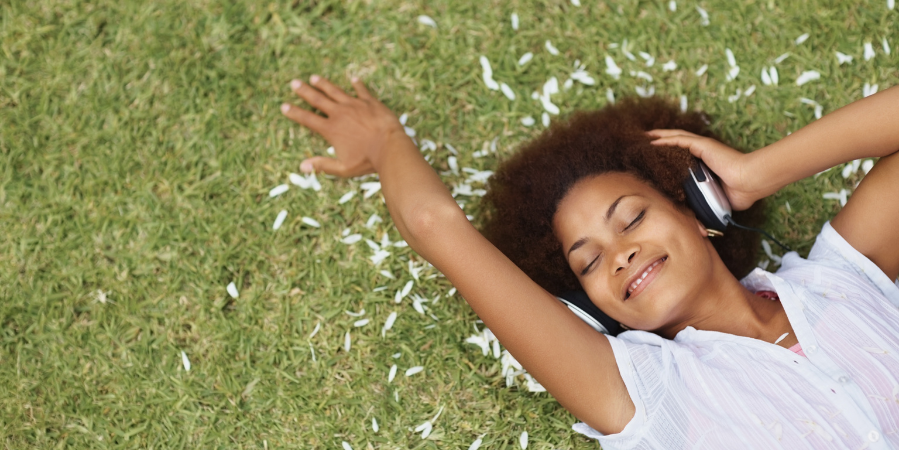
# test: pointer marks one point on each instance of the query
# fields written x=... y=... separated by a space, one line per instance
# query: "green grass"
x=138 y=142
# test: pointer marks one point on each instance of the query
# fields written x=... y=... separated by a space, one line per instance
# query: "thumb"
x=329 y=166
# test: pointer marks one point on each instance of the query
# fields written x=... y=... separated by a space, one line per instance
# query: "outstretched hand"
x=358 y=127
x=731 y=166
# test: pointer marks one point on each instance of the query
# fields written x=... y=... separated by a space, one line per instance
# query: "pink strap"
x=797 y=349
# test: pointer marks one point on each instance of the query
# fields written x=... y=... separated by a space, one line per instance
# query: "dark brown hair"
x=524 y=193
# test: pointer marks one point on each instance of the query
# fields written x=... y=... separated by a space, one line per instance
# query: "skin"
x=692 y=287
x=574 y=363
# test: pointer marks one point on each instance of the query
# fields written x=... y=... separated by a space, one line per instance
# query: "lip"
x=650 y=277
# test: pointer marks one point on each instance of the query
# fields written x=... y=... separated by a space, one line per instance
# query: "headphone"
x=707 y=200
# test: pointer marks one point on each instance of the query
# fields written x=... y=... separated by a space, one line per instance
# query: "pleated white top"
x=711 y=390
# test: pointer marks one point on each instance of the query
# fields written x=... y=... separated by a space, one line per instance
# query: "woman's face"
x=641 y=259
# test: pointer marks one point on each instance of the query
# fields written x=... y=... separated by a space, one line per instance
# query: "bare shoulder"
x=869 y=220
x=574 y=362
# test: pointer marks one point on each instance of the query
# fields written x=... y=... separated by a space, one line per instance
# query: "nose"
x=623 y=259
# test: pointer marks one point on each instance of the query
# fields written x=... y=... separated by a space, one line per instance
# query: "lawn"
x=139 y=142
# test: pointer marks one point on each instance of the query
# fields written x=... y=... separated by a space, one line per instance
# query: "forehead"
x=591 y=197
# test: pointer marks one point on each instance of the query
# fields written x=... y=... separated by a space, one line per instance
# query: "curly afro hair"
x=525 y=191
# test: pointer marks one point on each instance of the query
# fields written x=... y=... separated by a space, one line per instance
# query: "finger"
x=361 y=90
x=666 y=133
x=328 y=88
x=687 y=142
x=313 y=96
x=329 y=166
x=308 y=119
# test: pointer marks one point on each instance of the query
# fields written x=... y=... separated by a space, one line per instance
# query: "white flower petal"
x=360 y=323
x=669 y=66
x=514 y=21
x=404 y=118
x=185 y=362
x=346 y=197
x=528 y=121
x=576 y=2
x=525 y=58
x=732 y=73
x=612 y=68
x=867 y=165
x=426 y=20
x=886 y=46
x=414 y=370
x=232 y=290
x=280 y=219
x=371 y=188
x=805 y=77
x=891 y=4
x=773 y=72
x=346 y=341
x=683 y=103
x=545 y=119
x=749 y=91
x=476 y=444
x=801 y=39
x=352 y=239
x=391 y=374
x=869 y=90
x=702 y=70
x=523 y=440
x=454 y=164
x=379 y=256
x=311 y=222
x=278 y=190
x=388 y=324
x=730 y=57
x=610 y=96
x=766 y=79
x=703 y=16
x=550 y=48
x=507 y=91
x=425 y=429
x=843 y=58
x=346 y=445
x=330 y=150
x=318 y=326
x=298 y=180
x=374 y=425
x=869 y=51
x=781 y=58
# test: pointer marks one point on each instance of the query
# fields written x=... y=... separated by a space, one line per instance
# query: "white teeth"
x=640 y=280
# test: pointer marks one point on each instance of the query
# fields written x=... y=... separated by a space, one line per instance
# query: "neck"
x=726 y=306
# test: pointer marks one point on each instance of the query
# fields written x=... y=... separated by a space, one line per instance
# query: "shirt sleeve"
x=831 y=249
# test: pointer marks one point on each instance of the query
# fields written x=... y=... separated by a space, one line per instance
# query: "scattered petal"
x=360 y=323
x=388 y=324
x=774 y=77
x=346 y=341
x=732 y=73
x=781 y=58
x=805 y=77
x=650 y=60
x=730 y=57
x=704 y=16
x=454 y=164
x=371 y=188
x=413 y=370
x=669 y=66
x=476 y=444
x=702 y=70
x=525 y=58
x=346 y=197
x=644 y=92
x=576 y=2
x=391 y=374
x=312 y=350
x=886 y=46
x=330 y=150
x=404 y=118
x=426 y=20
x=523 y=440
x=891 y=4
x=545 y=119
x=869 y=51
x=612 y=68
x=379 y=256
x=551 y=49
x=683 y=103
x=641 y=74
x=185 y=362
x=318 y=326
x=374 y=425
x=869 y=89
x=232 y=290
x=801 y=39
x=311 y=222
x=280 y=219
x=488 y=74
x=528 y=121
x=843 y=58
x=352 y=239
x=507 y=91
x=749 y=91
x=278 y=190
x=766 y=79
x=736 y=96
x=346 y=445
x=867 y=165
x=515 y=21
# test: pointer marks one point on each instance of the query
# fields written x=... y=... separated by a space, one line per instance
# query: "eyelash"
x=637 y=219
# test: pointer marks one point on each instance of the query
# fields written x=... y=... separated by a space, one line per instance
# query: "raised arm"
x=864 y=129
x=569 y=358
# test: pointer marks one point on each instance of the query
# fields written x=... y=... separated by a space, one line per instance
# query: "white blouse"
x=712 y=390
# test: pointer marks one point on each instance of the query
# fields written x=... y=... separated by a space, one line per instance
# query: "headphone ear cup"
x=579 y=303
x=706 y=200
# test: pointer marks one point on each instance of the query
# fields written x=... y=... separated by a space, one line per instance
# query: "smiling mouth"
x=638 y=285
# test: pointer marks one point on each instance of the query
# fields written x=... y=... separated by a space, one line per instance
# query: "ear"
x=701 y=228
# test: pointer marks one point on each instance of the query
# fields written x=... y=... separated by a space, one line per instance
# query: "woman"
x=704 y=371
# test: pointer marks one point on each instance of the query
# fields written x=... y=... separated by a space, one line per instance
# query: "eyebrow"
x=580 y=242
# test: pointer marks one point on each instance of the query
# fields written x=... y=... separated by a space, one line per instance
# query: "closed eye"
x=639 y=217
